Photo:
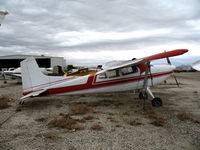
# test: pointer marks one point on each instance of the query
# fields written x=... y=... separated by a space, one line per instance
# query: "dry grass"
x=105 y=103
x=159 y=122
x=81 y=120
x=126 y=114
x=134 y=122
x=97 y=127
x=89 y=117
x=40 y=119
x=65 y=122
x=196 y=121
x=2 y=86
x=79 y=109
x=184 y=116
x=4 y=102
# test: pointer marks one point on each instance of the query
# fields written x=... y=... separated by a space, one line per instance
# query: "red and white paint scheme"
x=115 y=76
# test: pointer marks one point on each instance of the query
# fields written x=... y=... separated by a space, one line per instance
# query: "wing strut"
x=145 y=84
x=156 y=101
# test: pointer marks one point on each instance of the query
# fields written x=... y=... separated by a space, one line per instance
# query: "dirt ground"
x=108 y=121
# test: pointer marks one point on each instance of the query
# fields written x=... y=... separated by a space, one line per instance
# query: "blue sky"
x=90 y=32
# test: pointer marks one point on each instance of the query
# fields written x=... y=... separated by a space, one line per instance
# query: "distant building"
x=184 y=68
x=13 y=61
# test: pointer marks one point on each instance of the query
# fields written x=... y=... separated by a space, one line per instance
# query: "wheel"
x=156 y=102
x=143 y=95
x=21 y=102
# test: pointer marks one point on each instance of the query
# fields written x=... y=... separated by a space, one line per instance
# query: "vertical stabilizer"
x=32 y=78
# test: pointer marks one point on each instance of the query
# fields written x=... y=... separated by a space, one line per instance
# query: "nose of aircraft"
x=172 y=67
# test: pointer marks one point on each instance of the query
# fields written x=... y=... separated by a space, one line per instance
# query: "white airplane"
x=196 y=65
x=13 y=73
x=2 y=16
x=115 y=76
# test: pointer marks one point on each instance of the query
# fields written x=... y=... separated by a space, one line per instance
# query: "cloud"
x=105 y=28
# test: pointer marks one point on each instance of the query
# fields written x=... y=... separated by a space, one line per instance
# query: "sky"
x=91 y=32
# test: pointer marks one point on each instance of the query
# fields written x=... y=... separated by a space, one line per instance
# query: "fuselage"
x=124 y=79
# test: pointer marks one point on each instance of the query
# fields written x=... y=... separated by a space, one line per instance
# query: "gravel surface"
x=108 y=121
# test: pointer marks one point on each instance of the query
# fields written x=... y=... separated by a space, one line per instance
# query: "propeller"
x=169 y=62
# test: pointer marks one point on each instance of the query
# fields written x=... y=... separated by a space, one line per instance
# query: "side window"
x=129 y=70
x=102 y=76
x=113 y=73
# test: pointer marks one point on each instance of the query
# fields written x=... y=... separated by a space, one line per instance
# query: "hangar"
x=13 y=61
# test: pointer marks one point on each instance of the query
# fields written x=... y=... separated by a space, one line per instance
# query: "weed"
x=184 y=116
x=4 y=102
x=118 y=126
x=79 y=109
x=89 y=117
x=81 y=120
x=134 y=122
x=126 y=114
x=159 y=122
x=196 y=121
x=96 y=127
x=69 y=123
x=41 y=119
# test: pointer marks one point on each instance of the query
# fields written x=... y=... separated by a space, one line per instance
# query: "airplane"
x=135 y=74
x=15 y=73
x=196 y=65
x=2 y=16
x=12 y=73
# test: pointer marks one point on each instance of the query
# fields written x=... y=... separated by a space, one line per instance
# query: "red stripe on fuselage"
x=92 y=84
x=49 y=83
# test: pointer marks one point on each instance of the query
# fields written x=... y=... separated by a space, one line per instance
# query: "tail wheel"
x=143 y=95
x=156 y=102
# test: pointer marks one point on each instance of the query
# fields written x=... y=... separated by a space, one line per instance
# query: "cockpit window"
x=113 y=73
x=129 y=70
x=102 y=76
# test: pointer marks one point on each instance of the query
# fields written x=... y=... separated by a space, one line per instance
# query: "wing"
x=196 y=65
x=121 y=64
x=167 y=54
x=17 y=75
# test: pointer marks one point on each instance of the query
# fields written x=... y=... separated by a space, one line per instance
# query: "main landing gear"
x=156 y=101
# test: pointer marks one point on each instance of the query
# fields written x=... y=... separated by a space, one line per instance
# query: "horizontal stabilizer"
x=34 y=94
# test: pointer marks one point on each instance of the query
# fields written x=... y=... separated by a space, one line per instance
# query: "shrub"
x=96 y=127
x=4 y=102
x=79 y=109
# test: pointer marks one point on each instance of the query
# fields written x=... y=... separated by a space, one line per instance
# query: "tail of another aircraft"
x=32 y=78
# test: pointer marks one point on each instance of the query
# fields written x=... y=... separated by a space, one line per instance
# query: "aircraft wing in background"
x=196 y=65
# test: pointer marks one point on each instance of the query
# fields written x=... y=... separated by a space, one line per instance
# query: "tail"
x=32 y=78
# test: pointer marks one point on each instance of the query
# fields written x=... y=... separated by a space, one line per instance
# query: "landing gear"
x=143 y=95
x=156 y=102
x=21 y=102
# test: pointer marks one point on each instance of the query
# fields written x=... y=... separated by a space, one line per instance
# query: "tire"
x=156 y=102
